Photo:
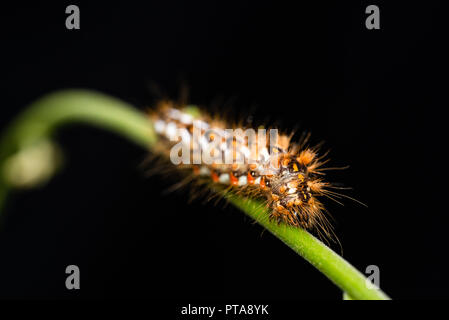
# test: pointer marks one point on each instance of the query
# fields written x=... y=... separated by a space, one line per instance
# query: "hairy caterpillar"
x=288 y=176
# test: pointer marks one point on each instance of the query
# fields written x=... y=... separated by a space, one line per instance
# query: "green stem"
x=338 y=270
x=45 y=115
x=40 y=120
x=346 y=296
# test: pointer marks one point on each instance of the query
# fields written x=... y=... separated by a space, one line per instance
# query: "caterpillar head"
x=294 y=190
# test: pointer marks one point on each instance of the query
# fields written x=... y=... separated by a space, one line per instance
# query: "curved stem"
x=45 y=115
x=40 y=120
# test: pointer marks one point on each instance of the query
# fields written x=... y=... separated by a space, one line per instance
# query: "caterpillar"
x=288 y=176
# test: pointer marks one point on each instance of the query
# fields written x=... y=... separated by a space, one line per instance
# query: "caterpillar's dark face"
x=292 y=192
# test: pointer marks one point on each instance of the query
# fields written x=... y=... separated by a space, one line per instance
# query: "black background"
x=377 y=97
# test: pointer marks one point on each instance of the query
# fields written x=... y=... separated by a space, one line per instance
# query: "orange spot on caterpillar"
x=214 y=176
x=234 y=179
x=250 y=178
x=262 y=183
